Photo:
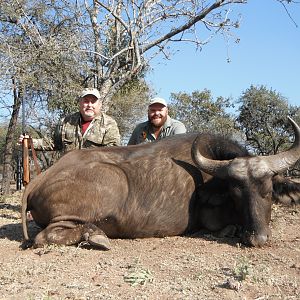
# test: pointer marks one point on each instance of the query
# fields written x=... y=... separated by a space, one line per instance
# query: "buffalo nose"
x=256 y=240
x=259 y=240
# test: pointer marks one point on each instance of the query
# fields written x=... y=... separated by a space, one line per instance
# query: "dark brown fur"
x=149 y=190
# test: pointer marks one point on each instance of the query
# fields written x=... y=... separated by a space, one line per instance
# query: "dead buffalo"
x=176 y=186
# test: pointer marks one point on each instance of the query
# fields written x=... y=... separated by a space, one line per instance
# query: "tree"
x=199 y=112
x=31 y=63
x=51 y=48
x=129 y=105
x=263 y=118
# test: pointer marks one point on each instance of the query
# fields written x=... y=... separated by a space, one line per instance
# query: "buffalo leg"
x=69 y=233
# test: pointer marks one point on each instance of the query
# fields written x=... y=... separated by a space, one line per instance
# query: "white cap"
x=90 y=91
x=158 y=100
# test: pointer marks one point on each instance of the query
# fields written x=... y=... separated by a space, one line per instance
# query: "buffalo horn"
x=280 y=162
x=276 y=163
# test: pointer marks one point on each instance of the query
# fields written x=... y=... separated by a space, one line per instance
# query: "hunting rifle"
x=25 y=167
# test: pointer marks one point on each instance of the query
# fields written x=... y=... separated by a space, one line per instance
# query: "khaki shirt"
x=102 y=131
x=143 y=132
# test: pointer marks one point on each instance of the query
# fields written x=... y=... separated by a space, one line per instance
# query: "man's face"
x=89 y=107
x=157 y=114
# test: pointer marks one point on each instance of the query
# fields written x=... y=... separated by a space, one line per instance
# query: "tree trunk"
x=104 y=92
x=8 y=170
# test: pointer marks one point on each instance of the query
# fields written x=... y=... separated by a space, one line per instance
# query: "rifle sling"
x=36 y=164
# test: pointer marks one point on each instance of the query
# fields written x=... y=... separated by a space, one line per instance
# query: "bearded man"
x=158 y=126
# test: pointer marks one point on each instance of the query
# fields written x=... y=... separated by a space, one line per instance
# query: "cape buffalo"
x=176 y=186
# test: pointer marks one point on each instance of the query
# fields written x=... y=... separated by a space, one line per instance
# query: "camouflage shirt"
x=102 y=131
x=143 y=132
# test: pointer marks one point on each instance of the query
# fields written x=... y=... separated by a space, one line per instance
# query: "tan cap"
x=90 y=91
x=158 y=100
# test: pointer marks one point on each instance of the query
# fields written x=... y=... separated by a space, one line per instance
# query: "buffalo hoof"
x=99 y=241
x=26 y=244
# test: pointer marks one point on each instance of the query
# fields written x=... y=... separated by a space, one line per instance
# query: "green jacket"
x=103 y=131
x=143 y=132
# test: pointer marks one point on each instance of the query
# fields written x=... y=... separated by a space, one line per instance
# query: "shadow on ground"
x=13 y=231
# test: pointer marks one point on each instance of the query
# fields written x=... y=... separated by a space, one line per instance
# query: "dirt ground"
x=202 y=267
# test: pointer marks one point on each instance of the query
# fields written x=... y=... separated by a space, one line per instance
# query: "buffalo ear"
x=286 y=191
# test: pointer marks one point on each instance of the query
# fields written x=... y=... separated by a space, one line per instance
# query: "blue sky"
x=268 y=54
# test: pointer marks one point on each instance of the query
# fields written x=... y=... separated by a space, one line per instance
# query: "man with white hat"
x=158 y=126
x=89 y=127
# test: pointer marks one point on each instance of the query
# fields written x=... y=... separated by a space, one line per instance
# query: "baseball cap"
x=90 y=91
x=158 y=100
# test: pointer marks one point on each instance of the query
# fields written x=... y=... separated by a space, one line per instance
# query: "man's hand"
x=22 y=137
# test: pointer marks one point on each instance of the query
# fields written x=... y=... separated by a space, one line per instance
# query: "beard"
x=87 y=115
x=158 y=122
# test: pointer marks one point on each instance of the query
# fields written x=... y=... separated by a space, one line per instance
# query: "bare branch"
x=114 y=15
x=188 y=25
x=286 y=10
x=32 y=33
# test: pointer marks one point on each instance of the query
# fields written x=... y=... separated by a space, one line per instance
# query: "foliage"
x=138 y=275
x=53 y=48
x=39 y=49
x=130 y=105
x=3 y=129
x=263 y=118
x=242 y=269
x=16 y=147
x=50 y=49
x=200 y=112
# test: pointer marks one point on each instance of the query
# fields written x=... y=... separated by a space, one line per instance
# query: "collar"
x=168 y=122
x=81 y=121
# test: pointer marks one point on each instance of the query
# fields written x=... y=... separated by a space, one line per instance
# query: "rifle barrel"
x=26 y=171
